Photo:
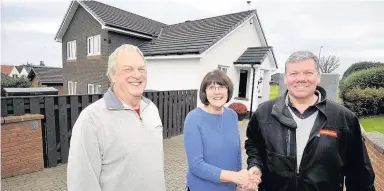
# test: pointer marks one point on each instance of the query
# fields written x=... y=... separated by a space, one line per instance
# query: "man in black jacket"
x=302 y=141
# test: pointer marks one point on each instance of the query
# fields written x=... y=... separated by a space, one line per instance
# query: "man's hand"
x=254 y=175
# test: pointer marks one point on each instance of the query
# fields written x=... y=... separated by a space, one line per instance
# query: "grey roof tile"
x=194 y=37
x=115 y=17
x=48 y=74
x=253 y=55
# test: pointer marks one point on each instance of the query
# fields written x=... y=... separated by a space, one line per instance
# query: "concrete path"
x=55 y=178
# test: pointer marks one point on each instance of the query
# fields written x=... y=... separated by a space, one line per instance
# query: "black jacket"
x=335 y=149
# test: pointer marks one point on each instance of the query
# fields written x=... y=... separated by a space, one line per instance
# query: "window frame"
x=93 y=50
x=71 y=50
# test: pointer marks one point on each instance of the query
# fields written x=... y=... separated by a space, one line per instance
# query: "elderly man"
x=302 y=141
x=117 y=142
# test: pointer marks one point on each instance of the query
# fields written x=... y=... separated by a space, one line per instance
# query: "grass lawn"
x=373 y=124
x=274 y=92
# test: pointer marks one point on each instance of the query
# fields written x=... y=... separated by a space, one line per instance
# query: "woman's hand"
x=242 y=178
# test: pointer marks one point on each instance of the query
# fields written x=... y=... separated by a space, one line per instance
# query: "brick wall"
x=375 y=146
x=21 y=145
x=35 y=82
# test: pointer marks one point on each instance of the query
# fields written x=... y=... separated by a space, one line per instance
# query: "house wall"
x=173 y=74
x=24 y=72
x=84 y=69
x=14 y=72
x=35 y=82
x=117 y=40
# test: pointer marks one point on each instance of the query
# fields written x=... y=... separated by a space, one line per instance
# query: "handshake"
x=248 y=179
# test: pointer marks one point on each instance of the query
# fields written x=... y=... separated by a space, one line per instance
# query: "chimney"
x=42 y=63
x=249 y=8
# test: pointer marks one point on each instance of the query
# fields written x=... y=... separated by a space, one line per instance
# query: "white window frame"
x=93 y=45
x=223 y=68
x=91 y=89
x=97 y=89
x=72 y=88
x=71 y=50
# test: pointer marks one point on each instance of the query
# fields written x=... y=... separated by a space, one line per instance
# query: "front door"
x=243 y=83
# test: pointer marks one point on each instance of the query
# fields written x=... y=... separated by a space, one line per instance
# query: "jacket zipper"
x=289 y=143
x=141 y=119
x=297 y=173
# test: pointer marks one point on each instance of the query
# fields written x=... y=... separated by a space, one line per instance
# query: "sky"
x=349 y=29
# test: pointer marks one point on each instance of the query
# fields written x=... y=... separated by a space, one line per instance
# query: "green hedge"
x=365 y=102
x=370 y=78
x=360 y=66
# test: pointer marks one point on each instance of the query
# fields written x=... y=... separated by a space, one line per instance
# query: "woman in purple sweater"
x=212 y=140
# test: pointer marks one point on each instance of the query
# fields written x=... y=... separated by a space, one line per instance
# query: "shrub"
x=11 y=82
x=370 y=78
x=360 y=66
x=365 y=102
x=240 y=109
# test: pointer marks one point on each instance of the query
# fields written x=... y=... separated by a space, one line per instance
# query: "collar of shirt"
x=308 y=112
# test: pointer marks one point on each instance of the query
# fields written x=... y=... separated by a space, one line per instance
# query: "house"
x=22 y=71
x=7 y=70
x=178 y=56
x=42 y=76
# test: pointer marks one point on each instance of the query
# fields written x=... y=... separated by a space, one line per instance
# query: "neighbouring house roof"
x=47 y=75
x=194 y=37
x=19 y=68
x=253 y=55
x=6 y=69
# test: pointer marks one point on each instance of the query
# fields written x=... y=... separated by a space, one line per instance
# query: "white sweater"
x=114 y=149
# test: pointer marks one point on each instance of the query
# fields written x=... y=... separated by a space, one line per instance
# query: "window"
x=93 y=45
x=91 y=89
x=14 y=75
x=98 y=89
x=243 y=84
x=94 y=89
x=71 y=50
x=223 y=68
x=72 y=88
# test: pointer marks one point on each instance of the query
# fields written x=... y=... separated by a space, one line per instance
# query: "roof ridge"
x=214 y=41
x=86 y=7
x=125 y=11
x=250 y=11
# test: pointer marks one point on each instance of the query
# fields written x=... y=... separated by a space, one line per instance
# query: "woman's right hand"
x=242 y=178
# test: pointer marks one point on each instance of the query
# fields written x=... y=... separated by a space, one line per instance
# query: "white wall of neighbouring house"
x=23 y=73
x=14 y=72
x=173 y=74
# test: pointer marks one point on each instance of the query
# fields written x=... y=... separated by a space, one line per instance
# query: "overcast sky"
x=351 y=30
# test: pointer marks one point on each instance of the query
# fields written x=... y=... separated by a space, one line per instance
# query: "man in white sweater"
x=117 y=142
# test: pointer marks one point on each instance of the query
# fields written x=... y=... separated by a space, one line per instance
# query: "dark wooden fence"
x=61 y=113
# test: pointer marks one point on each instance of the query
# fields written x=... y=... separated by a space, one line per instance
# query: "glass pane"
x=97 y=44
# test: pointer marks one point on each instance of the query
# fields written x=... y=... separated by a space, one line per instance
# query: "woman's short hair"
x=215 y=77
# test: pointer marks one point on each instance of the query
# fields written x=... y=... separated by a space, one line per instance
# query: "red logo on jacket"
x=328 y=132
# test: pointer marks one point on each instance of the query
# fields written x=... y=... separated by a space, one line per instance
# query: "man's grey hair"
x=301 y=56
x=127 y=48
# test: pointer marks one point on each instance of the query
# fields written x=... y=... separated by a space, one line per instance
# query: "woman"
x=212 y=140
